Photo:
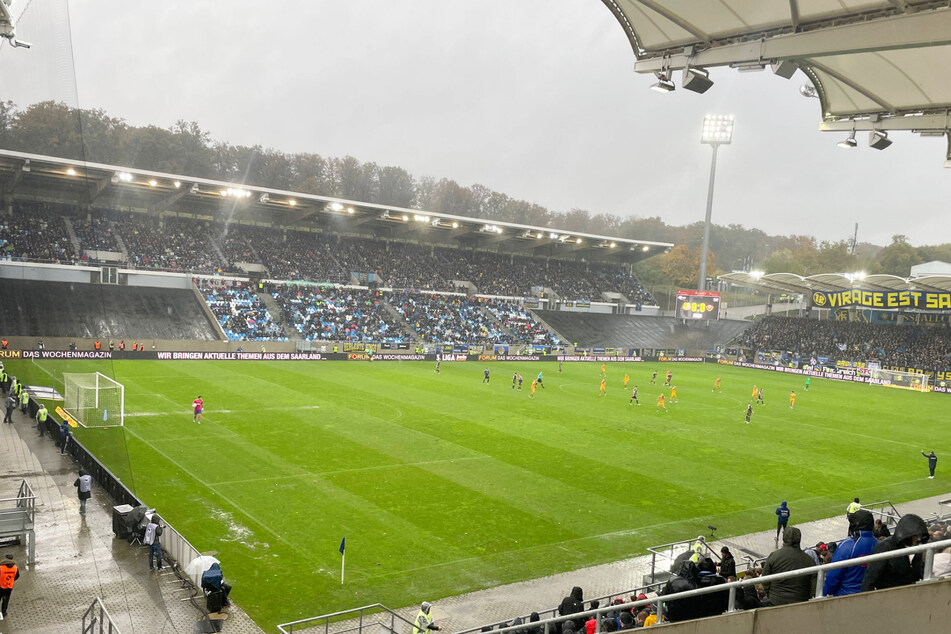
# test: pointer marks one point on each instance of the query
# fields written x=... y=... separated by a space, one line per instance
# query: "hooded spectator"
x=789 y=557
x=899 y=571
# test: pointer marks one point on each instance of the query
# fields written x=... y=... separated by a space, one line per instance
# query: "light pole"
x=717 y=131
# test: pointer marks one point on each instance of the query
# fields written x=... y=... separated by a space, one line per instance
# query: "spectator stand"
x=17 y=515
x=240 y=312
x=884 y=511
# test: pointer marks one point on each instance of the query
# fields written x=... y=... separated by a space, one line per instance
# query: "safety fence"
x=96 y=619
x=377 y=617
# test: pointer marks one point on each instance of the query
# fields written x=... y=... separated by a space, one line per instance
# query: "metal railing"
x=669 y=552
x=314 y=621
x=544 y=626
x=96 y=619
x=885 y=511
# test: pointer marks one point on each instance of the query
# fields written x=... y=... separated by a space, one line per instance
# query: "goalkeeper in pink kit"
x=199 y=406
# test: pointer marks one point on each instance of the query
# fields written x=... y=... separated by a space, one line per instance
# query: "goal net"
x=904 y=380
x=94 y=400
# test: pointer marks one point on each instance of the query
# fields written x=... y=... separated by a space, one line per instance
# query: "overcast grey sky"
x=534 y=98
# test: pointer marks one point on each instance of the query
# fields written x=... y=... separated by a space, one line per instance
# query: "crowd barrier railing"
x=96 y=619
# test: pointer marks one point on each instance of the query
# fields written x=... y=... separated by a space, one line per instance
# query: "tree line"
x=56 y=129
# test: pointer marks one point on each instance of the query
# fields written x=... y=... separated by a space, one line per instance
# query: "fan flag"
x=343 y=544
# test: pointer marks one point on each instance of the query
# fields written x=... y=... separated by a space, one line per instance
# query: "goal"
x=904 y=380
x=94 y=400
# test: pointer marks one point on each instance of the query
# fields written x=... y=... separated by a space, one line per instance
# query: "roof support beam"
x=923 y=123
x=916 y=30
x=794 y=14
x=164 y=203
x=98 y=186
x=304 y=212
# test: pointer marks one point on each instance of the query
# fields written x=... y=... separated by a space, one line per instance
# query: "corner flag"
x=343 y=557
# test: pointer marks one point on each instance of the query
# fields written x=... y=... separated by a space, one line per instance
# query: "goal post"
x=94 y=400
x=903 y=380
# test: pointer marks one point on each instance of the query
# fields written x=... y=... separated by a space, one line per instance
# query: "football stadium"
x=246 y=402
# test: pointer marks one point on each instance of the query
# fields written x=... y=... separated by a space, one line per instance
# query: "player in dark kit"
x=654 y=378
x=634 y=397
x=749 y=412
x=514 y=380
x=485 y=376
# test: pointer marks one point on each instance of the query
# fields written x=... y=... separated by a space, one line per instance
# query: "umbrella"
x=197 y=566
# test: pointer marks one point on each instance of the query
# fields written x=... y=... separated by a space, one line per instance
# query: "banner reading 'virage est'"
x=882 y=299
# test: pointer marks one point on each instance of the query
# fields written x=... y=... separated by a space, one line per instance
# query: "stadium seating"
x=36 y=231
x=241 y=313
x=39 y=309
x=913 y=346
x=523 y=325
x=449 y=319
x=600 y=330
x=338 y=315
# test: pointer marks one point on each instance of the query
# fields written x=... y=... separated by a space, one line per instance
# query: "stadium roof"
x=875 y=64
x=114 y=187
x=831 y=282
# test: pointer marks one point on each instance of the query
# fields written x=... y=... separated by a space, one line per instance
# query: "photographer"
x=153 y=533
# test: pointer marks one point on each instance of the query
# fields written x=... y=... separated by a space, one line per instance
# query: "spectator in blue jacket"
x=843 y=581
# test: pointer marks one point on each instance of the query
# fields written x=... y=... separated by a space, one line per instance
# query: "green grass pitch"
x=443 y=485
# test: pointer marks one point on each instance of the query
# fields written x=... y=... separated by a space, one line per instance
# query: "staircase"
x=277 y=315
x=502 y=327
x=563 y=339
x=119 y=242
x=73 y=240
x=399 y=320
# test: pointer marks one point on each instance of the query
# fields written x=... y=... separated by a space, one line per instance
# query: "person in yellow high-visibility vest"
x=698 y=548
x=424 y=620
x=24 y=401
x=41 y=417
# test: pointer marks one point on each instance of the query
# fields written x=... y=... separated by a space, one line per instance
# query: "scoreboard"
x=698 y=305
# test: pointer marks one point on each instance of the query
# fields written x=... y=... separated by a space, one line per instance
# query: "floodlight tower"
x=717 y=131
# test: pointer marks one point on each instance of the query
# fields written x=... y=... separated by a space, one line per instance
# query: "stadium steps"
x=123 y=249
x=209 y=314
x=277 y=316
x=399 y=320
x=221 y=254
x=639 y=331
x=32 y=308
x=502 y=327
x=73 y=240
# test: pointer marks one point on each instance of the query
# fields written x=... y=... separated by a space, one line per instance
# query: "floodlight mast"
x=717 y=131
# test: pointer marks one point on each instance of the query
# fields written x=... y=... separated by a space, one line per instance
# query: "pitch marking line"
x=264 y=526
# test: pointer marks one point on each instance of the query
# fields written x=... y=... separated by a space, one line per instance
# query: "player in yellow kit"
x=792 y=399
x=534 y=384
x=604 y=369
x=660 y=403
x=626 y=379
x=673 y=394
x=755 y=392
x=716 y=385
x=603 y=389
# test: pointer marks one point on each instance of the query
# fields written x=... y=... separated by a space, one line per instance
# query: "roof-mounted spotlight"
x=646 y=248
x=849 y=143
x=264 y=198
x=385 y=214
x=292 y=202
x=878 y=139
x=455 y=225
x=809 y=91
x=350 y=210
x=405 y=218
x=696 y=79
x=335 y=207
x=71 y=171
x=153 y=183
x=193 y=190
x=177 y=184
x=26 y=166
x=664 y=84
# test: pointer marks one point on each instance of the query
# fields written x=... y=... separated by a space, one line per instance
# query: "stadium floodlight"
x=153 y=183
x=455 y=225
x=71 y=171
x=177 y=184
x=756 y=274
x=664 y=84
x=579 y=241
x=194 y=188
x=405 y=218
x=717 y=130
x=696 y=80
x=335 y=207
x=849 y=143
x=264 y=198
x=646 y=248
x=292 y=202
x=26 y=166
x=878 y=139
x=350 y=210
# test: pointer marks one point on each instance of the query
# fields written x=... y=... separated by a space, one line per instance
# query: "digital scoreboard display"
x=698 y=305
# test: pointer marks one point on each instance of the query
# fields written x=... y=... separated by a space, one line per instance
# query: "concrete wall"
x=48 y=272
x=921 y=609
x=156 y=279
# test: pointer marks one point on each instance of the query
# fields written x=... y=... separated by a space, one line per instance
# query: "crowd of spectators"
x=36 y=231
x=906 y=345
x=449 y=319
x=170 y=243
x=338 y=315
x=240 y=312
x=95 y=233
x=526 y=328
